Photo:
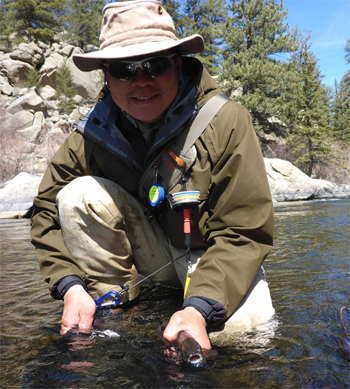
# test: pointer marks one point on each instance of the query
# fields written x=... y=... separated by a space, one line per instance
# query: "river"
x=308 y=273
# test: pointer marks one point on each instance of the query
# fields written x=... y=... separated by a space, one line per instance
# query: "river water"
x=308 y=273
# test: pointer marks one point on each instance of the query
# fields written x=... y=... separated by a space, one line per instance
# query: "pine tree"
x=341 y=109
x=83 y=21
x=309 y=126
x=65 y=89
x=173 y=9
x=347 y=51
x=36 y=19
x=5 y=25
x=33 y=78
x=255 y=36
x=341 y=103
x=207 y=19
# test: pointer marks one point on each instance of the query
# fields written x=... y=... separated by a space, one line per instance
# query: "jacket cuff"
x=60 y=288
x=212 y=311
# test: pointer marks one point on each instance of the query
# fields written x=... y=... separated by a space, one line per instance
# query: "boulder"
x=17 y=195
x=15 y=71
x=30 y=101
x=18 y=121
x=28 y=52
x=47 y=93
x=29 y=134
x=288 y=183
x=88 y=84
x=52 y=62
x=67 y=50
x=38 y=118
x=7 y=89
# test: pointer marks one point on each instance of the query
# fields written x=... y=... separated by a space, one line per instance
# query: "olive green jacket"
x=234 y=221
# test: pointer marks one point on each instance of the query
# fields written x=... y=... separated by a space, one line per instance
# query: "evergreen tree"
x=83 y=21
x=65 y=89
x=33 y=78
x=341 y=107
x=207 y=19
x=347 y=51
x=173 y=9
x=5 y=25
x=255 y=35
x=36 y=19
x=309 y=126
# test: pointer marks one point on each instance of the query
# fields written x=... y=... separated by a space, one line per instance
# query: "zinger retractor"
x=186 y=200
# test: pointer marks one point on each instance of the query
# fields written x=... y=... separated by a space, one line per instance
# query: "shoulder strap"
x=168 y=168
x=204 y=117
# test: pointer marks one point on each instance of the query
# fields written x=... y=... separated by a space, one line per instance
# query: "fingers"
x=79 y=310
x=191 y=321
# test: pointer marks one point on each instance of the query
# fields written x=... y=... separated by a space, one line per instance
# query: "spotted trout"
x=185 y=349
x=189 y=350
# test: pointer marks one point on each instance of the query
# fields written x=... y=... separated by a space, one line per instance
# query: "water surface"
x=308 y=273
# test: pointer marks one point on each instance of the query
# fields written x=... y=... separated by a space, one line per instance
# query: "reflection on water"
x=308 y=273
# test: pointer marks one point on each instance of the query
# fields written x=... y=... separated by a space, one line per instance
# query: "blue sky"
x=329 y=23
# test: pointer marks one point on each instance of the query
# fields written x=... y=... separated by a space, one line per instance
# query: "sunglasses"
x=126 y=70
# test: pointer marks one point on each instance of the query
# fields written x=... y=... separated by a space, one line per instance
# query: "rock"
x=7 y=89
x=17 y=195
x=38 y=118
x=30 y=101
x=52 y=62
x=30 y=133
x=78 y=99
x=67 y=50
x=19 y=120
x=15 y=71
x=28 y=52
x=288 y=183
x=88 y=84
x=47 y=93
x=49 y=79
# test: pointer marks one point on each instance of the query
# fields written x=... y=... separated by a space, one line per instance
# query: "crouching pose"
x=165 y=149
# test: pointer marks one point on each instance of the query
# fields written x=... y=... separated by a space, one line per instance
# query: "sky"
x=329 y=24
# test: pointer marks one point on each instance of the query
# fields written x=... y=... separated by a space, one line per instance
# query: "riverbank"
x=287 y=184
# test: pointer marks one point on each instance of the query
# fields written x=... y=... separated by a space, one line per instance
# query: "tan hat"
x=134 y=28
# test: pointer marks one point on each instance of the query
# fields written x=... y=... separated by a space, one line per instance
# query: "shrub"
x=33 y=79
x=65 y=90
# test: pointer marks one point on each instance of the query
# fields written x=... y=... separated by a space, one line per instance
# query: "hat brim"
x=94 y=60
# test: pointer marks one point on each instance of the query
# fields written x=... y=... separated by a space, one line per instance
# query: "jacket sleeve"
x=239 y=221
x=69 y=162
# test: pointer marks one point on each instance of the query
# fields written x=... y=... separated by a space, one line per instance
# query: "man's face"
x=145 y=98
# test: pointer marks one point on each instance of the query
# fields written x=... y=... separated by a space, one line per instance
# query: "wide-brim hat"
x=133 y=29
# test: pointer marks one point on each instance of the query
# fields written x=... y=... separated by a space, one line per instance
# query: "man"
x=97 y=225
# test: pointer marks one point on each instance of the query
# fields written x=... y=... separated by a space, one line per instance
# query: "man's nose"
x=141 y=78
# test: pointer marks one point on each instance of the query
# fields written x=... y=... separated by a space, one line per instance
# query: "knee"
x=75 y=194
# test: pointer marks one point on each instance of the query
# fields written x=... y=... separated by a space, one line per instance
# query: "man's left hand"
x=191 y=321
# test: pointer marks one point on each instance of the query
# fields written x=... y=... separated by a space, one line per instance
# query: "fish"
x=187 y=349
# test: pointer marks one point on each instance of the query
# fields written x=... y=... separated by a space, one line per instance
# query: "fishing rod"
x=182 y=200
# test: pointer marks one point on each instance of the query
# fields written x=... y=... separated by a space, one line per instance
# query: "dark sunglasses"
x=126 y=70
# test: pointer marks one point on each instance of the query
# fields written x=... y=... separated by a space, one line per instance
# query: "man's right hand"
x=79 y=310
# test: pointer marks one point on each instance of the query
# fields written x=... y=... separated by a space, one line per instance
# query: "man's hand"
x=79 y=310
x=191 y=321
